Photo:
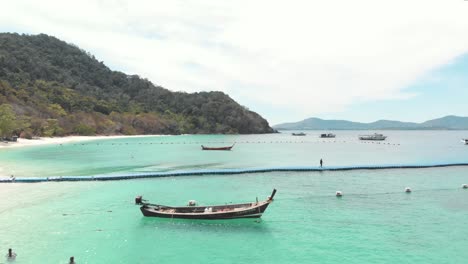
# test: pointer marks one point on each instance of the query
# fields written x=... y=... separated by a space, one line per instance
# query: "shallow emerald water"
x=168 y=153
x=374 y=222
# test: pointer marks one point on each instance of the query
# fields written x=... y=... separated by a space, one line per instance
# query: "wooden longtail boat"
x=212 y=212
x=217 y=148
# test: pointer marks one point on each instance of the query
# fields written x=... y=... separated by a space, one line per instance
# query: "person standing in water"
x=321 y=163
x=11 y=255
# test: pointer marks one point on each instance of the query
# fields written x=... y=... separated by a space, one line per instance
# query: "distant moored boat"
x=217 y=148
x=374 y=136
x=299 y=134
x=329 y=135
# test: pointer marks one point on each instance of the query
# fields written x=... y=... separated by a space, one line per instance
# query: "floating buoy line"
x=131 y=176
x=230 y=142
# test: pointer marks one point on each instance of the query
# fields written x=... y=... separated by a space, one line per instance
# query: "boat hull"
x=221 y=148
x=252 y=212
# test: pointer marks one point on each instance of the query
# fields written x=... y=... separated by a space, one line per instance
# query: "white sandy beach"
x=58 y=140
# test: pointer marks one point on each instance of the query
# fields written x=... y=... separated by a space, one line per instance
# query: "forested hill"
x=53 y=88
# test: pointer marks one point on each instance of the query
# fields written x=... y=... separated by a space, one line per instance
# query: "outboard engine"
x=139 y=199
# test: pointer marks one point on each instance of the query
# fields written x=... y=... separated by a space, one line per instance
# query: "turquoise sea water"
x=374 y=222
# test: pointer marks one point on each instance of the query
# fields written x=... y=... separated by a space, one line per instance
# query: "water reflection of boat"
x=329 y=135
x=299 y=134
x=217 y=148
x=212 y=212
x=375 y=136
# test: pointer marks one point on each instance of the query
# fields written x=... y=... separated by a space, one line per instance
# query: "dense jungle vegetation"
x=51 y=88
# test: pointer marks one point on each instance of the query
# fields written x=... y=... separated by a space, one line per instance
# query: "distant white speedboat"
x=465 y=140
x=329 y=135
x=374 y=136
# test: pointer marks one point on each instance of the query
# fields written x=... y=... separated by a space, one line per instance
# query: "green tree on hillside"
x=8 y=121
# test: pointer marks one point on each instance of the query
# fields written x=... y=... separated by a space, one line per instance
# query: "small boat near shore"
x=374 y=136
x=217 y=148
x=328 y=135
x=465 y=140
x=211 y=212
x=299 y=134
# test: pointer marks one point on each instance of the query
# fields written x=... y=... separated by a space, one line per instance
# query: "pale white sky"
x=286 y=60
